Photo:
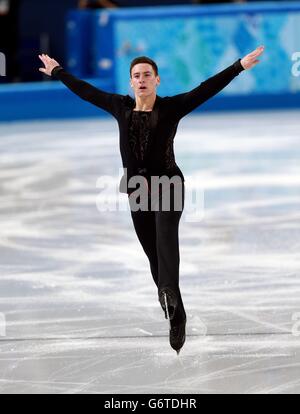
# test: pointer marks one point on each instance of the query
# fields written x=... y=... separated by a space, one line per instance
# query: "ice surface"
x=77 y=296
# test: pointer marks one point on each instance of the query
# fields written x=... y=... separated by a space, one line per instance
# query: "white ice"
x=78 y=307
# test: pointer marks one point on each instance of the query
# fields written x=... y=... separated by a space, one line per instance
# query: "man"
x=148 y=125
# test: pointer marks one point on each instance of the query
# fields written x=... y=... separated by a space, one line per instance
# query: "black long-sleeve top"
x=163 y=121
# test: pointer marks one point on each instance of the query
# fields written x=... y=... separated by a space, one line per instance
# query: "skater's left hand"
x=250 y=60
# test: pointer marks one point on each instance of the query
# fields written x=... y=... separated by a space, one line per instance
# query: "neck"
x=145 y=103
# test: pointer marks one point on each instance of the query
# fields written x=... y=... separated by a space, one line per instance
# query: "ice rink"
x=78 y=307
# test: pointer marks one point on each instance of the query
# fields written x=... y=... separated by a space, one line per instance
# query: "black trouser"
x=157 y=232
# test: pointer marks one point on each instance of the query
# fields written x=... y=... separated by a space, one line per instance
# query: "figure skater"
x=147 y=125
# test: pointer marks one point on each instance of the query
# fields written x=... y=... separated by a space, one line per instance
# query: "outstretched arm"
x=184 y=103
x=104 y=100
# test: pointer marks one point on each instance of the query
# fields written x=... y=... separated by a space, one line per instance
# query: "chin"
x=144 y=93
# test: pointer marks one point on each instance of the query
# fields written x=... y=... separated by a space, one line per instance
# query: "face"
x=143 y=79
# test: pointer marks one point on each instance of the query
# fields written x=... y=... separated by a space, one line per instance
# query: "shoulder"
x=128 y=100
x=162 y=102
x=165 y=103
x=121 y=102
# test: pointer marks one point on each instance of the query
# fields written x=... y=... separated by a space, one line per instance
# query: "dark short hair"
x=144 y=59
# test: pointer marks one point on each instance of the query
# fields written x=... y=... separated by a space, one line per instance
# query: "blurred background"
x=189 y=39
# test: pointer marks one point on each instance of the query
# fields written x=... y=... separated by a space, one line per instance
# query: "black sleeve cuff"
x=238 y=66
x=56 y=70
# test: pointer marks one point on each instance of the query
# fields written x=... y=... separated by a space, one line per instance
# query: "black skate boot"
x=177 y=327
x=177 y=334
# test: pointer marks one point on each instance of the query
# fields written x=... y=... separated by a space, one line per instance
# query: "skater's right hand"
x=49 y=63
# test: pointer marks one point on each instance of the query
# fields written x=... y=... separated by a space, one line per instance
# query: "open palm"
x=49 y=63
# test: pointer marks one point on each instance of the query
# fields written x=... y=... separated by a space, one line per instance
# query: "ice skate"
x=177 y=335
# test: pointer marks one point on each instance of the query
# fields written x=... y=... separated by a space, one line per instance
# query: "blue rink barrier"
x=79 y=37
x=45 y=100
x=52 y=100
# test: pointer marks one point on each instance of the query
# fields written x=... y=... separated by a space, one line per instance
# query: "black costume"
x=164 y=119
x=146 y=145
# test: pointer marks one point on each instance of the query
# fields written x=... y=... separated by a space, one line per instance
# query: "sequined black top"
x=139 y=132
